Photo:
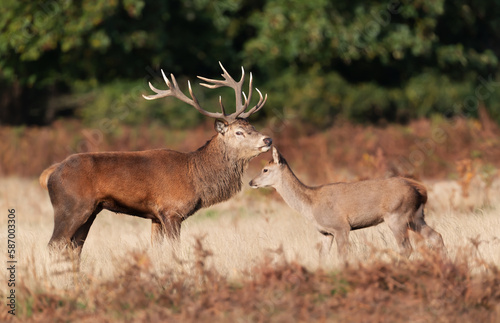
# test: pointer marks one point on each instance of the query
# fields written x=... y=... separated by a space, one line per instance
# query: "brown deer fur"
x=163 y=185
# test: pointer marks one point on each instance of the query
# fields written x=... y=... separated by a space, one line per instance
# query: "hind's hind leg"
x=399 y=227
x=432 y=237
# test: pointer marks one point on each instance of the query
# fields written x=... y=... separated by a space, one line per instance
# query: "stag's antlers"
x=241 y=105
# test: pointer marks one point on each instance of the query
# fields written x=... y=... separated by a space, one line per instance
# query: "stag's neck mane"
x=216 y=172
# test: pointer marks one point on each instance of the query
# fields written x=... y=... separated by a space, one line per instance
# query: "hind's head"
x=271 y=174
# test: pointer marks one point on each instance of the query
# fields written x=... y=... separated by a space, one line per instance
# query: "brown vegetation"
x=429 y=289
x=424 y=148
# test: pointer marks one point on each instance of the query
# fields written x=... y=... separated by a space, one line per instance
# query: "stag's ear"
x=221 y=126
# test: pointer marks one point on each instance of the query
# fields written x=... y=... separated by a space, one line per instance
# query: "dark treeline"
x=364 y=61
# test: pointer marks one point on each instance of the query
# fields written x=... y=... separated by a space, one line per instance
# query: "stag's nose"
x=268 y=141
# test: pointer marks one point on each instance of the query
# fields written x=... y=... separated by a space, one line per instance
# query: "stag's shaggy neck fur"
x=216 y=172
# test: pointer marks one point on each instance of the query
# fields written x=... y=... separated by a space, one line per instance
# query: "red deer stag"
x=337 y=208
x=162 y=185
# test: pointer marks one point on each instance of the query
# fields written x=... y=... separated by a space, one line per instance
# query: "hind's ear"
x=221 y=126
x=276 y=156
x=278 y=159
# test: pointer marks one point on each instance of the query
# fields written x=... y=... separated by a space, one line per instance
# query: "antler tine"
x=165 y=78
x=152 y=97
x=174 y=91
x=204 y=112
x=257 y=107
x=229 y=82
x=241 y=103
x=250 y=91
x=222 y=106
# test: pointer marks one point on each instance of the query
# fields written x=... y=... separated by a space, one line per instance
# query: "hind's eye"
x=265 y=170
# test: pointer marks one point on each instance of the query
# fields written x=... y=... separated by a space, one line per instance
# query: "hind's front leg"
x=342 y=238
x=326 y=245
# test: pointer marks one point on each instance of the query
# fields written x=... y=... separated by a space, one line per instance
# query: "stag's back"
x=128 y=179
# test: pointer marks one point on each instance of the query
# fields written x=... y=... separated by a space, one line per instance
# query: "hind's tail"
x=419 y=187
x=44 y=177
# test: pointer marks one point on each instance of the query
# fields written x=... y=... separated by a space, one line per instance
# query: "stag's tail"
x=419 y=187
x=44 y=177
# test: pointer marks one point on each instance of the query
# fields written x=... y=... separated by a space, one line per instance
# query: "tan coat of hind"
x=337 y=208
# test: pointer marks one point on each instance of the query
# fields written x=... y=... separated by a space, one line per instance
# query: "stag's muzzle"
x=267 y=144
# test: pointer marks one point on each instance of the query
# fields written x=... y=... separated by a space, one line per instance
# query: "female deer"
x=337 y=208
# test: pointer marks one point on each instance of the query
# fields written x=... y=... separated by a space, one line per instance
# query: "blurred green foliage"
x=377 y=61
x=121 y=102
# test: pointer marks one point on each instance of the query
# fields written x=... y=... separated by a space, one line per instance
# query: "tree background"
x=368 y=62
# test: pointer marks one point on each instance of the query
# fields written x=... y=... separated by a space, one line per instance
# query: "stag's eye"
x=239 y=133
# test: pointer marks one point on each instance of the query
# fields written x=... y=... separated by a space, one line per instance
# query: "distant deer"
x=337 y=208
x=162 y=185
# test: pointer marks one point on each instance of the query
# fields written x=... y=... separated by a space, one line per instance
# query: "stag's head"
x=233 y=129
x=241 y=138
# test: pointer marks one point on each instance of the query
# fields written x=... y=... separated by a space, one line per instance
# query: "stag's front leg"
x=166 y=226
x=173 y=228
x=157 y=232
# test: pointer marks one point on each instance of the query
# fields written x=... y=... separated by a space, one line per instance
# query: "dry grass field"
x=254 y=259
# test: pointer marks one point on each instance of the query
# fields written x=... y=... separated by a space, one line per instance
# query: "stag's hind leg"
x=72 y=222
x=81 y=233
